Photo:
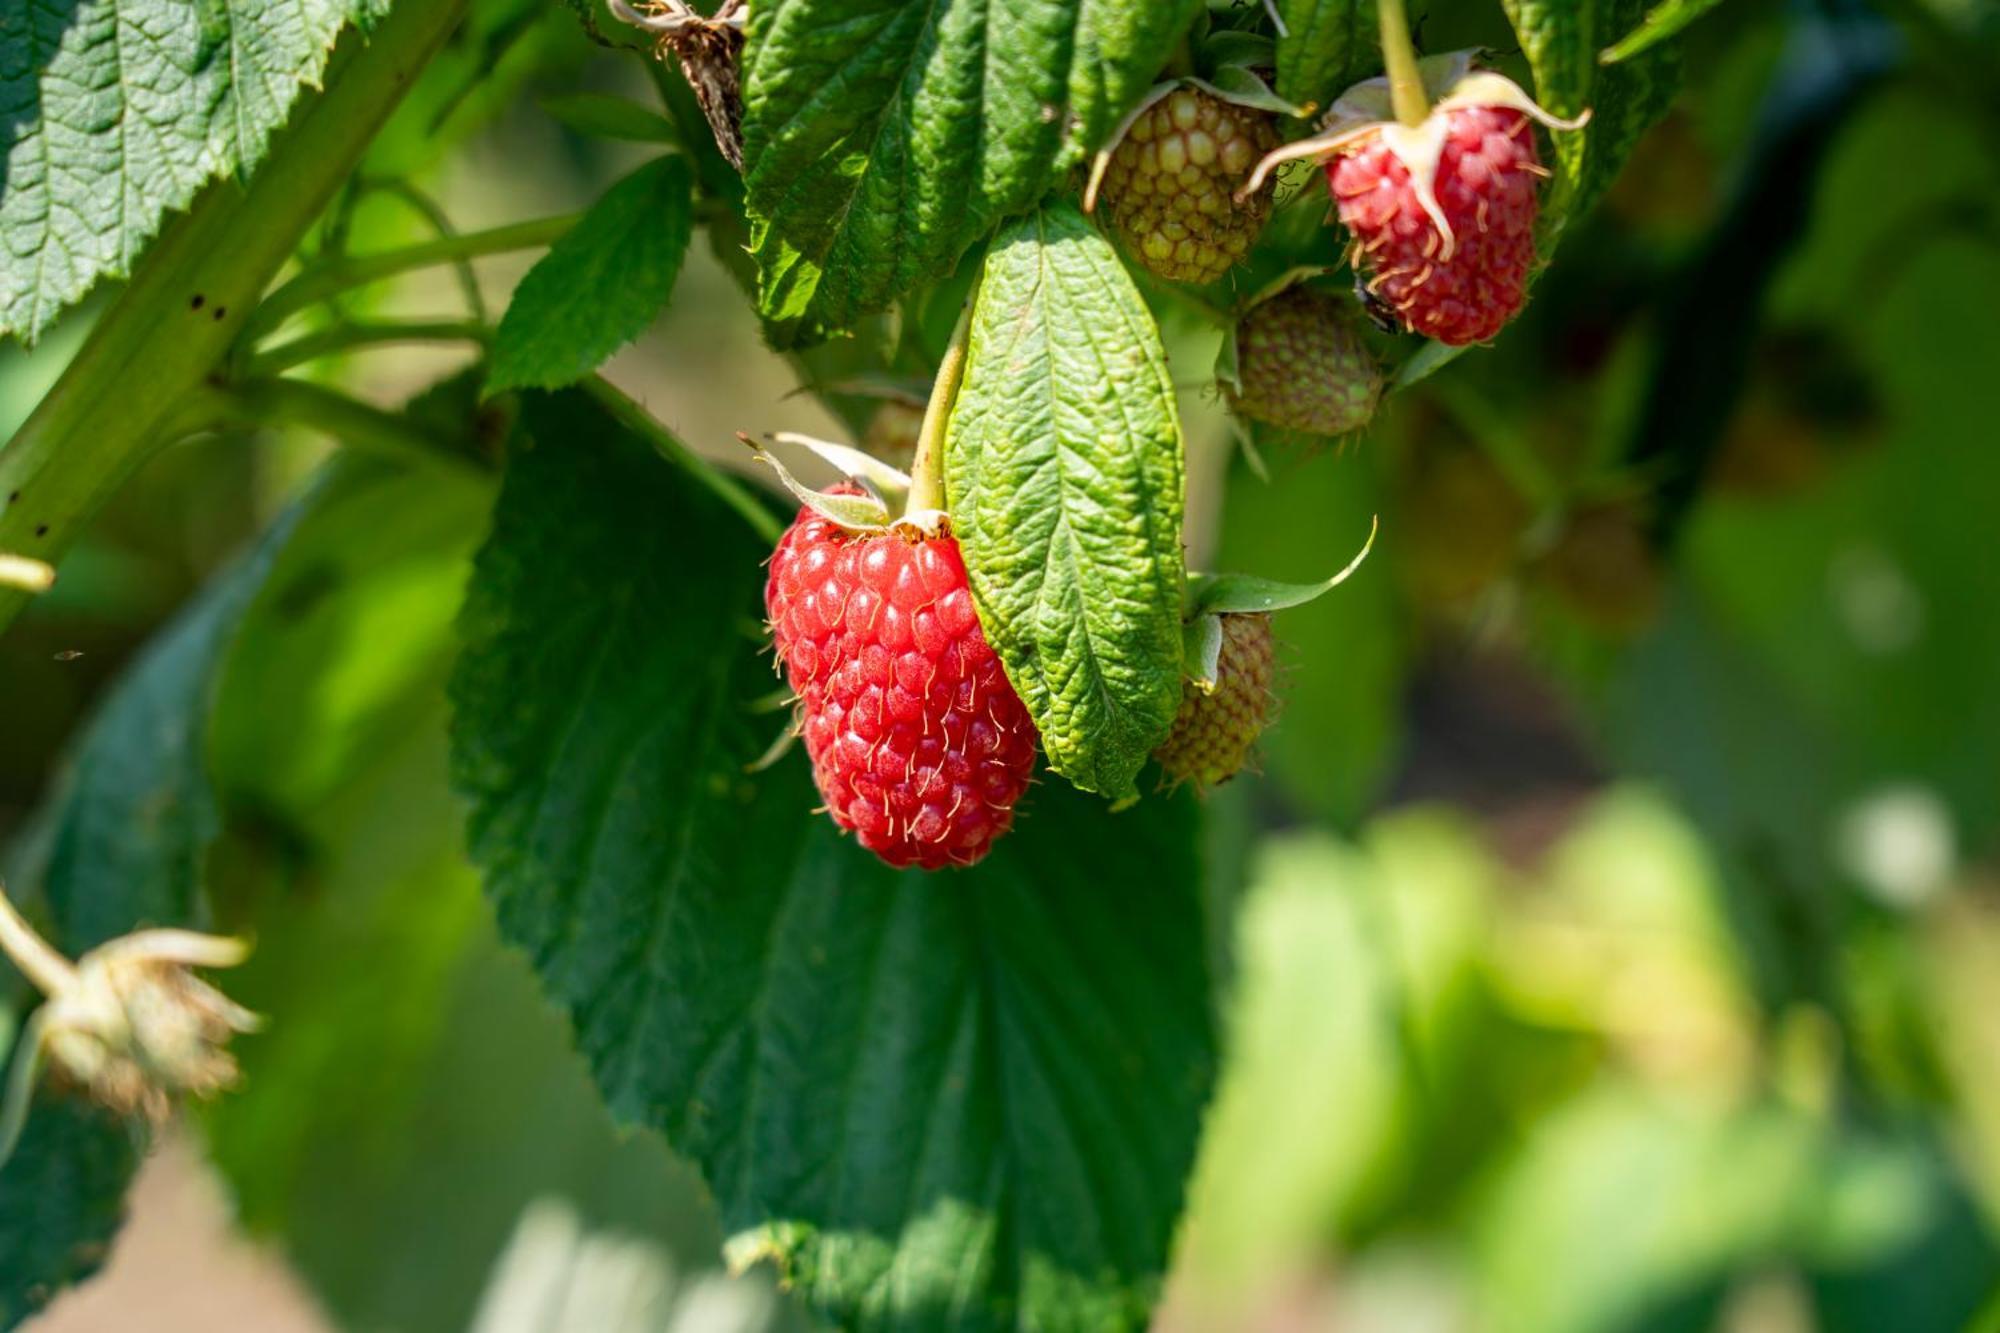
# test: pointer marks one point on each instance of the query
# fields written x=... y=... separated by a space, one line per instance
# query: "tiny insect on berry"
x=919 y=744
x=1219 y=723
x=1442 y=212
x=1303 y=365
x=1169 y=185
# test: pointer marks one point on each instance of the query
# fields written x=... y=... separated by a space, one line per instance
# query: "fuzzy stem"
x=37 y=959
x=1399 y=58
x=927 y=468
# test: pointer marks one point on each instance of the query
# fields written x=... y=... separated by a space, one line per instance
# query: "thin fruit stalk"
x=192 y=292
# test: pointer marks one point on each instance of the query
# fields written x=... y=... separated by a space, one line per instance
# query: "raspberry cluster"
x=1302 y=365
x=1466 y=288
x=1214 y=732
x=1169 y=184
x=919 y=744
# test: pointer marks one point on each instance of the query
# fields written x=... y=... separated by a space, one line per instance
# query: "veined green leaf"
x=119 y=111
x=1661 y=22
x=123 y=843
x=601 y=284
x=1560 y=39
x=1063 y=471
x=942 y=1101
x=1630 y=97
x=1327 y=46
x=882 y=137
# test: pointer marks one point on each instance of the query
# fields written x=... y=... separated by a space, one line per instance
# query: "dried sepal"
x=129 y=1024
x=853 y=511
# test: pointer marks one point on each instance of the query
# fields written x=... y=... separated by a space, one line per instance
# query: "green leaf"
x=601 y=284
x=127 y=834
x=132 y=823
x=883 y=137
x=1661 y=22
x=960 y=1101
x=118 y=113
x=62 y=1198
x=1063 y=470
x=353 y=623
x=1630 y=98
x=1328 y=46
x=605 y=117
x=1560 y=39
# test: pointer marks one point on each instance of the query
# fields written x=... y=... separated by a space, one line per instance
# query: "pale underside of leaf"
x=118 y=111
x=882 y=137
x=1065 y=485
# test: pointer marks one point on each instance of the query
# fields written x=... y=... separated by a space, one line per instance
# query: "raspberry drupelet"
x=919 y=744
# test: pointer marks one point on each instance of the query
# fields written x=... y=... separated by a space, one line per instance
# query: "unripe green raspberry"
x=1168 y=189
x=1302 y=365
x=1214 y=732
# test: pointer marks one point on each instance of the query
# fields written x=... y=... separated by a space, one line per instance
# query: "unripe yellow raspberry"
x=1168 y=187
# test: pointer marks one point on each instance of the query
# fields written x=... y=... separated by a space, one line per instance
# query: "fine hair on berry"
x=919 y=745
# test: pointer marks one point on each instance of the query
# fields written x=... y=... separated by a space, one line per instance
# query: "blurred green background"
x=1613 y=931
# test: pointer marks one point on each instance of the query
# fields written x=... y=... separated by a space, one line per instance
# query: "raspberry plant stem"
x=361 y=334
x=322 y=281
x=1399 y=58
x=927 y=468
x=193 y=293
x=349 y=422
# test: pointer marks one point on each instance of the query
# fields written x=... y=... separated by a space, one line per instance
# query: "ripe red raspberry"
x=1461 y=288
x=1301 y=364
x=1167 y=186
x=918 y=743
x=1214 y=732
